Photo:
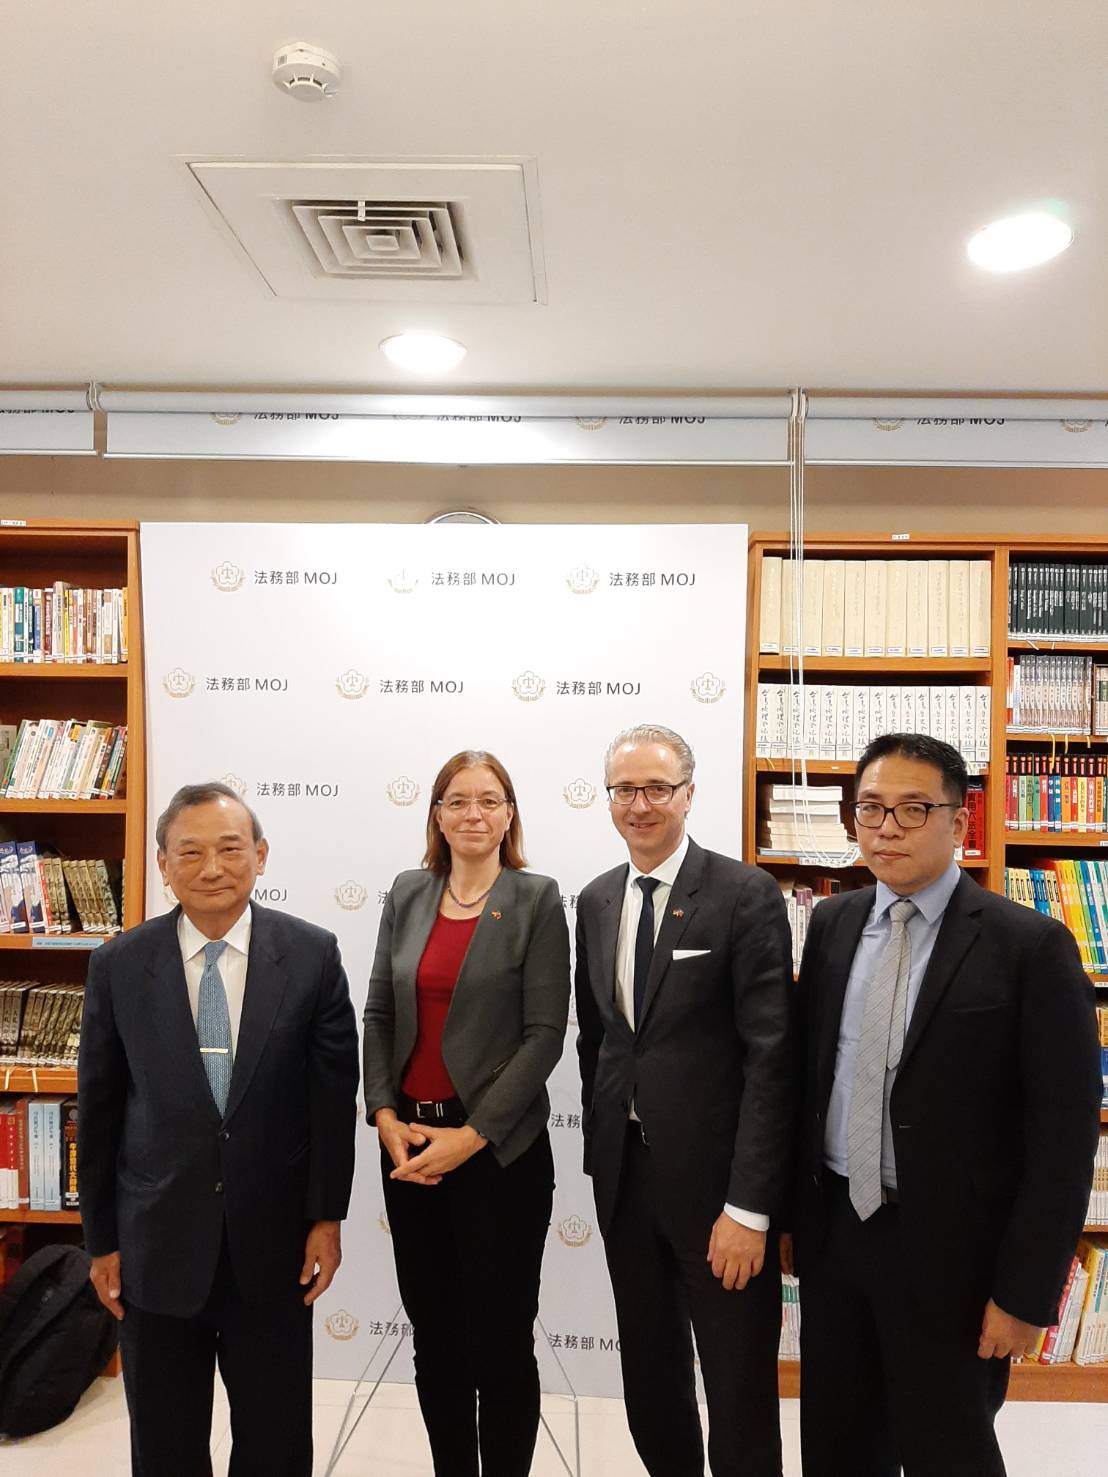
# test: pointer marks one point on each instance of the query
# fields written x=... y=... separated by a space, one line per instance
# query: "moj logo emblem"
x=383 y=1222
x=402 y=791
x=178 y=683
x=403 y=581
x=591 y=422
x=707 y=688
x=350 y=895
x=227 y=576
x=574 y=1231
x=342 y=1326
x=888 y=425
x=579 y=794
x=233 y=782
x=583 y=579
x=528 y=686
x=352 y=684
x=226 y=417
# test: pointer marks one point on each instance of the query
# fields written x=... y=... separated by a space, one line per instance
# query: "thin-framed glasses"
x=655 y=794
x=909 y=814
x=458 y=804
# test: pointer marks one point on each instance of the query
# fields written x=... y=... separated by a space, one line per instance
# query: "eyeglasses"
x=909 y=814
x=654 y=794
x=457 y=805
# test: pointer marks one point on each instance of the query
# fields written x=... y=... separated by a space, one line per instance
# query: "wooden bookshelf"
x=94 y=556
x=1028 y=1381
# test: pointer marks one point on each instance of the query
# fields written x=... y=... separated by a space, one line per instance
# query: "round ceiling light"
x=423 y=353
x=1019 y=241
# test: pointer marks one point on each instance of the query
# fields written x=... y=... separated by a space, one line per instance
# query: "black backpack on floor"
x=55 y=1338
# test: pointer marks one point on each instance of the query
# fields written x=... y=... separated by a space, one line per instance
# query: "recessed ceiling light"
x=424 y=353
x=1019 y=241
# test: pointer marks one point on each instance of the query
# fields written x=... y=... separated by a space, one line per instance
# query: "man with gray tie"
x=683 y=983
x=950 y=1116
x=217 y=1082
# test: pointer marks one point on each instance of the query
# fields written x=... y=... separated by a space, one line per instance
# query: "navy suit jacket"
x=995 y=1108
x=161 y=1176
x=710 y=1069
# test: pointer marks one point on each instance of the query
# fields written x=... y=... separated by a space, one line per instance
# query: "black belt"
x=441 y=1113
x=889 y=1196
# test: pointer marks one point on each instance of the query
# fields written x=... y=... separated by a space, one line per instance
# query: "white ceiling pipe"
x=923 y=407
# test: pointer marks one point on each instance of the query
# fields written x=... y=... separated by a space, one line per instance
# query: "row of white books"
x=837 y=721
x=62 y=759
x=37 y=889
x=789 y=1347
x=62 y=623
x=876 y=607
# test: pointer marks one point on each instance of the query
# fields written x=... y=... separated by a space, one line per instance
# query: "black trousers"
x=468 y=1258
x=660 y=1289
x=884 y=1384
x=264 y=1353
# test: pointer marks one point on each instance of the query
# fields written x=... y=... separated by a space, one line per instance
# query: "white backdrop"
x=327 y=671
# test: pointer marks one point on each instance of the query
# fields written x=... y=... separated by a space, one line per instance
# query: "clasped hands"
x=421 y=1153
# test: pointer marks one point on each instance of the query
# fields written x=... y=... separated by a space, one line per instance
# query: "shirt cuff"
x=753 y=1219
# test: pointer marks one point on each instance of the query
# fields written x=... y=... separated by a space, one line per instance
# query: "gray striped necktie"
x=213 y=1025
x=879 y=1047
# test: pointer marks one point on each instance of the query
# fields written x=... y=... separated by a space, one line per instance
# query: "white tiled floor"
x=1039 y=1440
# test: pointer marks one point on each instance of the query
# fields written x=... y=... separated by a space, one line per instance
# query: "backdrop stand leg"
x=575 y=1470
x=342 y=1440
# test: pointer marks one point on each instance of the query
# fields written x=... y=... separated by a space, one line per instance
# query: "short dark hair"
x=437 y=857
x=927 y=750
x=189 y=795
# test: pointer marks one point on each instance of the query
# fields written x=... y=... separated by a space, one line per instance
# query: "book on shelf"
x=38 y=1153
x=1091 y=1346
x=789 y=1346
x=1051 y=693
x=1073 y=891
x=40 y=1024
x=801 y=818
x=800 y=902
x=1066 y=600
x=1102 y=1031
x=1097 y=1214
x=62 y=623
x=65 y=759
x=876 y=607
x=1055 y=1344
x=41 y=893
x=837 y=721
x=1059 y=792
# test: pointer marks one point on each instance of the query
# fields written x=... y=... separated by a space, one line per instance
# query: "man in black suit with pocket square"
x=217 y=1084
x=683 y=984
x=950 y=1116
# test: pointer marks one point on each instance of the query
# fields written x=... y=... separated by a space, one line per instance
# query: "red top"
x=426 y=1078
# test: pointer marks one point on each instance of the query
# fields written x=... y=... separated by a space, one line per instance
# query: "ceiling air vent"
x=382 y=230
x=383 y=238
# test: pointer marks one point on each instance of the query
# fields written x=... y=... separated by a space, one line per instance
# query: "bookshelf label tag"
x=900 y=538
x=45 y=941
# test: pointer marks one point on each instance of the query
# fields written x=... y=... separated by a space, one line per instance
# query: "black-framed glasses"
x=909 y=815
x=655 y=794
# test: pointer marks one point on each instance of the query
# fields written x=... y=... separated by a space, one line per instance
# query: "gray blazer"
x=507 y=1019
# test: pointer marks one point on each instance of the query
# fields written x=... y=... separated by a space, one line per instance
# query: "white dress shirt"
x=665 y=874
x=231 y=965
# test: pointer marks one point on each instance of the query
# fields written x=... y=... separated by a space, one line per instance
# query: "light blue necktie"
x=213 y=1026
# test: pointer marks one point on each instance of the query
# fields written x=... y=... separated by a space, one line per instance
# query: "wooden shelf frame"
x=1028 y=1381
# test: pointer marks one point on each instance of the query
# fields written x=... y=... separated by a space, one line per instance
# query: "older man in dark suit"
x=951 y=1095
x=218 y=1075
x=683 y=998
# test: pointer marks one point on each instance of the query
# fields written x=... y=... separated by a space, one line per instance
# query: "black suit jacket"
x=995 y=1108
x=159 y=1173
x=710 y=1068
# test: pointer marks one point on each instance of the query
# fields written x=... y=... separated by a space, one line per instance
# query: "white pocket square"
x=689 y=953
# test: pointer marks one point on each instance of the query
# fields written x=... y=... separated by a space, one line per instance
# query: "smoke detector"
x=306 y=72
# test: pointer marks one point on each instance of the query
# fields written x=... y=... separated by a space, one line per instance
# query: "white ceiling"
x=734 y=193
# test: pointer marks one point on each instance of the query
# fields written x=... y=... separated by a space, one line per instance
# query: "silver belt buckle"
x=434 y=1109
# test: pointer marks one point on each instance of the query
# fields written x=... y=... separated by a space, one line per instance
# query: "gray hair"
x=189 y=795
x=653 y=733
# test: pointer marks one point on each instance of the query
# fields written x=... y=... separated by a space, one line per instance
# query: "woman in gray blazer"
x=466 y=1014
